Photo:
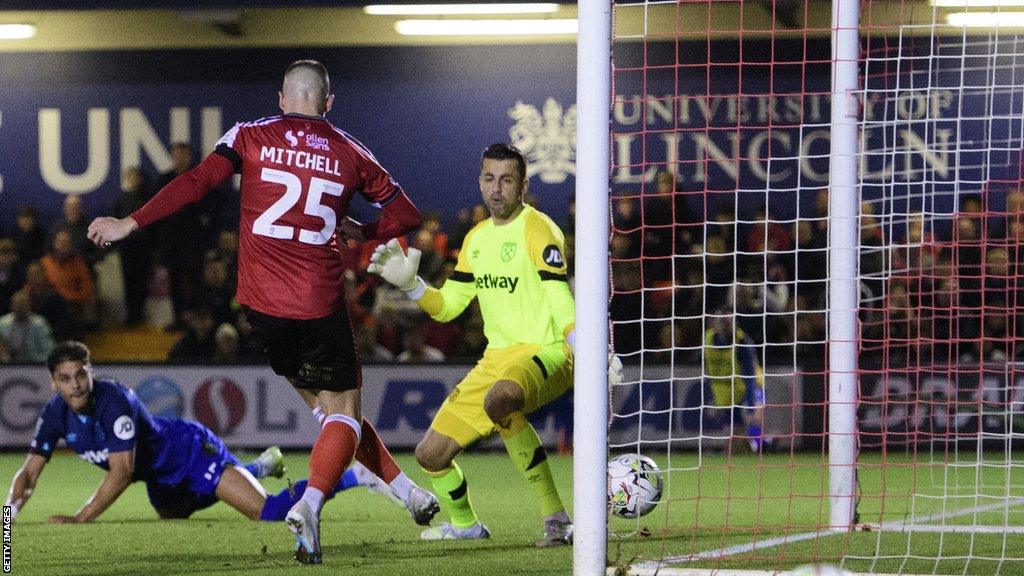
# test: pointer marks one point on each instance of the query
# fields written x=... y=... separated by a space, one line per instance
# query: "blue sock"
x=348 y=480
x=756 y=436
x=278 y=505
x=255 y=468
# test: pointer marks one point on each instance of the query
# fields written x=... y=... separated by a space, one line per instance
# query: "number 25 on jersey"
x=266 y=225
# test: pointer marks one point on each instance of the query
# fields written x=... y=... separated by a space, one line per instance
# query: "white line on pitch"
x=912 y=523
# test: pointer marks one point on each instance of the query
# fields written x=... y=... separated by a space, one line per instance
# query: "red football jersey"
x=298 y=176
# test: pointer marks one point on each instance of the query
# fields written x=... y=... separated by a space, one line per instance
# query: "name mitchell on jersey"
x=300 y=159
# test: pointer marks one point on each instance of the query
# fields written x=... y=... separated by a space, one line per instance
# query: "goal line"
x=921 y=523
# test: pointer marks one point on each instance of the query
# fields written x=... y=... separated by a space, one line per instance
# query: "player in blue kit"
x=185 y=466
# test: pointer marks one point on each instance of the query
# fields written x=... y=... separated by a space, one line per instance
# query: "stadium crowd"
x=939 y=293
x=53 y=281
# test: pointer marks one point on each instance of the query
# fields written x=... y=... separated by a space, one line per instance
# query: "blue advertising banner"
x=727 y=117
x=70 y=123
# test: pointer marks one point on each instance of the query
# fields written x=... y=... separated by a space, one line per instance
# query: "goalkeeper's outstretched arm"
x=392 y=264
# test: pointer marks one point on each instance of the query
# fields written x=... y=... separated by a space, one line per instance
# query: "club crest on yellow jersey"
x=508 y=251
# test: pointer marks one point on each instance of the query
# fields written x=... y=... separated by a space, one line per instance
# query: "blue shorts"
x=197 y=489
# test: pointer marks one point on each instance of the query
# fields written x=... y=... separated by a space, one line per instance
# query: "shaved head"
x=306 y=87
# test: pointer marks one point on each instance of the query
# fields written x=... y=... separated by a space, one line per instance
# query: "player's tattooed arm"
x=24 y=482
x=122 y=465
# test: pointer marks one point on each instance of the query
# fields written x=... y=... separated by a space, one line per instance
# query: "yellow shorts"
x=727 y=392
x=544 y=374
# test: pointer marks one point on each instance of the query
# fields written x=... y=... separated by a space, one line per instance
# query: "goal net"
x=742 y=263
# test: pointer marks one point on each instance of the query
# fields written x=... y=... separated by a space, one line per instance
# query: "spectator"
x=68 y=273
x=216 y=292
x=12 y=276
x=197 y=344
x=48 y=303
x=76 y=225
x=388 y=329
x=366 y=343
x=658 y=216
x=902 y=325
x=182 y=236
x=226 y=251
x=724 y=225
x=29 y=238
x=137 y=251
x=432 y=223
x=473 y=342
x=226 y=342
x=820 y=222
x=939 y=329
x=414 y=349
x=811 y=261
x=1014 y=209
x=26 y=336
x=810 y=324
x=626 y=232
x=872 y=256
x=761 y=302
x=767 y=235
x=720 y=273
x=431 y=261
x=467 y=219
x=968 y=257
x=627 y=305
x=687 y=223
x=997 y=341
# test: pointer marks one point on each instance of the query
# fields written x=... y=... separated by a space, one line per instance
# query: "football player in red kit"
x=299 y=173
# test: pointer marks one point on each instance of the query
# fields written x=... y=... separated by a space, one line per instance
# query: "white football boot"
x=370 y=481
x=448 y=532
x=306 y=526
x=422 y=505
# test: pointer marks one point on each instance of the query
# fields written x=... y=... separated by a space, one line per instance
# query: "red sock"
x=373 y=454
x=332 y=454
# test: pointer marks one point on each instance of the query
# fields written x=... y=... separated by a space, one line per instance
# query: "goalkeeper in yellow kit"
x=514 y=264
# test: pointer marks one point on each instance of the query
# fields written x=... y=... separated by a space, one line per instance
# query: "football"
x=634 y=485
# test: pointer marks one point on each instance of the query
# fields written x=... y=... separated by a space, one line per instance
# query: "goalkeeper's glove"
x=614 y=369
x=390 y=262
x=614 y=364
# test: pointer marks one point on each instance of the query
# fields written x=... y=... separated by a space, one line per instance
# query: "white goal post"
x=590 y=412
x=940 y=498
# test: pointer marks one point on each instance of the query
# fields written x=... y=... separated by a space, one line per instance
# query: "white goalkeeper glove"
x=614 y=369
x=614 y=364
x=390 y=262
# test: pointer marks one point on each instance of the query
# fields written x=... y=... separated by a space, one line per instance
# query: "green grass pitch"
x=710 y=503
x=362 y=532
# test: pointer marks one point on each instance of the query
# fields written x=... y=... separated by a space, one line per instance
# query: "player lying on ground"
x=734 y=380
x=513 y=264
x=299 y=175
x=185 y=466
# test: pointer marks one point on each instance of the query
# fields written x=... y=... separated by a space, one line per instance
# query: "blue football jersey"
x=119 y=421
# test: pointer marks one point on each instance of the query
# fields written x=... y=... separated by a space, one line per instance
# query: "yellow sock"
x=531 y=460
x=453 y=494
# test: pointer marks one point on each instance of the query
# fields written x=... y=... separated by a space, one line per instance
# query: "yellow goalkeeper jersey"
x=517 y=271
